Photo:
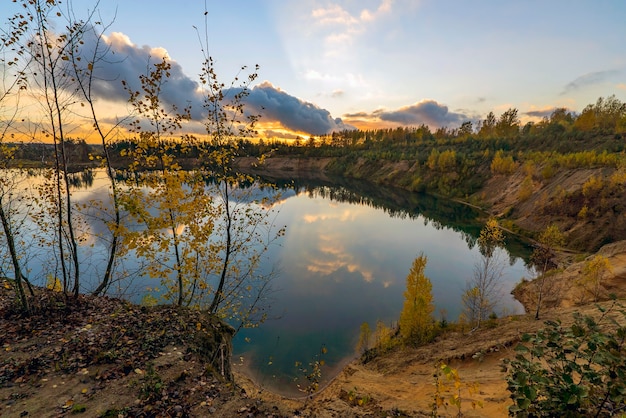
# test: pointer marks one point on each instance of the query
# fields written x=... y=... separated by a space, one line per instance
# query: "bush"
x=578 y=370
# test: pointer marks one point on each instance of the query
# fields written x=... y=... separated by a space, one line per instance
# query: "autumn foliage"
x=416 y=320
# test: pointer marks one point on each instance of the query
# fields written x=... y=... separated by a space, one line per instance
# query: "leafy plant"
x=354 y=398
x=449 y=389
x=151 y=384
x=579 y=370
x=593 y=272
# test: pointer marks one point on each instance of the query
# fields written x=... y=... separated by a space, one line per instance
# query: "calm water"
x=343 y=261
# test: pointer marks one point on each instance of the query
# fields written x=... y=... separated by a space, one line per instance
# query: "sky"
x=331 y=65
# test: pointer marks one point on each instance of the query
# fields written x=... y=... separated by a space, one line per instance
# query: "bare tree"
x=481 y=295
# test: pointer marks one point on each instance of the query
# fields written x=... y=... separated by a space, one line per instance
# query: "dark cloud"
x=121 y=60
x=124 y=61
x=588 y=80
x=360 y=115
x=427 y=112
x=271 y=134
x=291 y=112
x=540 y=113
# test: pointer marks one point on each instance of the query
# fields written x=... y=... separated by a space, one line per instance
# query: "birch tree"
x=481 y=295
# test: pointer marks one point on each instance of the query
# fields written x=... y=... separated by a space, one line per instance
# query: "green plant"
x=354 y=398
x=579 y=370
x=78 y=409
x=449 y=388
x=151 y=384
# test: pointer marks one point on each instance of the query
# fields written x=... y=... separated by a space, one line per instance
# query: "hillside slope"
x=587 y=204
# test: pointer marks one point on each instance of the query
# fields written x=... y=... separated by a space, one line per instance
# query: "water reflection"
x=344 y=262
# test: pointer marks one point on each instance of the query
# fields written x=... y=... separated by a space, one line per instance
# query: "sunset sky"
x=327 y=65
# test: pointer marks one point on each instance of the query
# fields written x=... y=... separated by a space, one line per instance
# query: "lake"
x=344 y=259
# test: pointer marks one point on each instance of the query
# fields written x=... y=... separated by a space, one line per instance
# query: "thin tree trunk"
x=220 y=288
x=14 y=259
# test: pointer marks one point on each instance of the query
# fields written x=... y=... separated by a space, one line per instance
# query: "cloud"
x=621 y=86
x=541 y=113
x=333 y=15
x=273 y=134
x=427 y=112
x=291 y=112
x=344 y=26
x=588 y=79
x=385 y=7
x=122 y=60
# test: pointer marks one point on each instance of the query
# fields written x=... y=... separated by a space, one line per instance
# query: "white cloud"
x=385 y=7
x=346 y=25
x=333 y=15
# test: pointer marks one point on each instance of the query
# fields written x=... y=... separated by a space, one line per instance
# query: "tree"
x=10 y=180
x=508 y=124
x=542 y=260
x=84 y=67
x=12 y=215
x=593 y=272
x=607 y=115
x=488 y=127
x=203 y=232
x=503 y=164
x=364 y=338
x=481 y=295
x=46 y=73
x=416 y=320
x=466 y=129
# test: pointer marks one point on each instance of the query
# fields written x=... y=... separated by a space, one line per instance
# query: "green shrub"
x=578 y=370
